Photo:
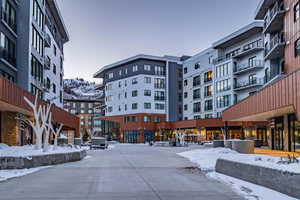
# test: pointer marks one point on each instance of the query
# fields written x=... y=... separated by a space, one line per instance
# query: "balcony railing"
x=275 y=40
x=221 y=59
x=47 y=63
x=11 y=59
x=47 y=40
x=196 y=83
x=159 y=86
x=250 y=47
x=278 y=8
x=248 y=66
x=249 y=83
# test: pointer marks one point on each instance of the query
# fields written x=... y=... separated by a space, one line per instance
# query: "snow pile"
x=207 y=158
x=249 y=190
x=3 y=146
x=80 y=89
x=27 y=151
x=8 y=174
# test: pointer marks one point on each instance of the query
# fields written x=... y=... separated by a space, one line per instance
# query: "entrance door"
x=262 y=135
x=277 y=134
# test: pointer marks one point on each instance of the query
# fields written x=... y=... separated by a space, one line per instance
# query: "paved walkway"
x=127 y=172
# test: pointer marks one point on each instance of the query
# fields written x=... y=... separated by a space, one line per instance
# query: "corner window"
x=185 y=70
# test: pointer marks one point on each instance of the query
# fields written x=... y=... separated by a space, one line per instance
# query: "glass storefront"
x=277 y=134
x=148 y=136
x=262 y=135
x=131 y=137
x=294 y=133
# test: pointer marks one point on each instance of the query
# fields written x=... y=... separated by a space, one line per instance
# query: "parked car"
x=99 y=143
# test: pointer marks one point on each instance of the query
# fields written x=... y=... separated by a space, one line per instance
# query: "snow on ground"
x=206 y=159
x=249 y=190
x=27 y=151
x=8 y=174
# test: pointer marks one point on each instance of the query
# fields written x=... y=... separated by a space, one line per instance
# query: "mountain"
x=79 y=89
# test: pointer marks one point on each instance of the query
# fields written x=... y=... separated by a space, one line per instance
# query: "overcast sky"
x=105 y=31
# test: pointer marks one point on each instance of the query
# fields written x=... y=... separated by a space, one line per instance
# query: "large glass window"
x=8 y=50
x=159 y=83
x=37 y=41
x=296 y=11
x=196 y=81
x=197 y=94
x=297 y=47
x=197 y=107
x=159 y=96
x=207 y=76
x=223 y=101
x=38 y=14
x=37 y=70
x=9 y=15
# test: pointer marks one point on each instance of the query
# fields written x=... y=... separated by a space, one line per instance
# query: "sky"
x=106 y=31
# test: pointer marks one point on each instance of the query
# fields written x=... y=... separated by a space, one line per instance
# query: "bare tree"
x=47 y=122
x=36 y=123
x=56 y=134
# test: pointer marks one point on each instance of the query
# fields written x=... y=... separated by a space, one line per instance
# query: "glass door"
x=277 y=136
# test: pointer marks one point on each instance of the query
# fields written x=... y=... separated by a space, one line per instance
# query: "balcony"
x=274 y=22
x=255 y=82
x=10 y=21
x=47 y=40
x=243 y=68
x=221 y=59
x=250 y=48
x=159 y=98
x=275 y=48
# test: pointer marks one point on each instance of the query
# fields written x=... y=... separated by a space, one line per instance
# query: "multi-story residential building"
x=278 y=102
x=142 y=90
x=198 y=86
x=31 y=31
x=239 y=66
x=32 y=38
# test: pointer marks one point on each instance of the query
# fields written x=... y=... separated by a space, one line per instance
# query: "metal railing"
x=274 y=11
x=6 y=55
x=275 y=40
x=11 y=22
x=244 y=84
x=47 y=40
x=254 y=64
x=221 y=59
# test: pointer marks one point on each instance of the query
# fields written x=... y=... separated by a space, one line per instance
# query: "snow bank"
x=249 y=190
x=8 y=174
x=207 y=158
x=3 y=146
x=27 y=151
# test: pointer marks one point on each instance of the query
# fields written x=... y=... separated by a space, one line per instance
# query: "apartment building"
x=198 y=101
x=32 y=38
x=229 y=71
x=30 y=32
x=278 y=102
x=140 y=91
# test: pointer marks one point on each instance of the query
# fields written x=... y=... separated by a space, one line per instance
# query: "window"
x=208 y=116
x=135 y=68
x=296 y=11
x=35 y=90
x=147 y=105
x=126 y=71
x=185 y=107
x=48 y=83
x=197 y=66
x=134 y=93
x=61 y=82
x=134 y=106
x=223 y=101
x=147 y=93
x=159 y=96
x=157 y=119
x=208 y=105
x=147 y=67
x=208 y=91
x=185 y=82
x=147 y=80
x=197 y=117
x=207 y=76
x=8 y=51
x=54 y=69
x=54 y=88
x=223 y=70
x=159 y=83
x=197 y=107
x=119 y=84
x=125 y=95
x=7 y=76
x=111 y=75
x=125 y=83
x=297 y=47
x=60 y=97
x=110 y=109
x=120 y=73
x=197 y=94
x=54 y=50
x=147 y=119
x=38 y=15
x=251 y=61
x=210 y=59
x=185 y=70
x=125 y=107
x=37 y=41
x=159 y=106
x=223 y=85
x=160 y=71
x=37 y=69
x=185 y=95
x=9 y=16
x=196 y=81
x=134 y=81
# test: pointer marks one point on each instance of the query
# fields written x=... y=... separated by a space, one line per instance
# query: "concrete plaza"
x=126 y=172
